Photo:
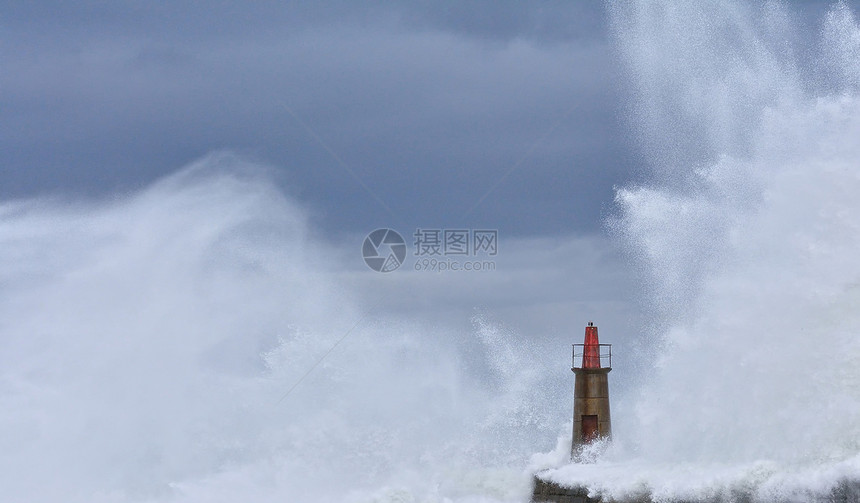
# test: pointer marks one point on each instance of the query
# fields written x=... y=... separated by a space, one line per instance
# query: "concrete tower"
x=591 y=390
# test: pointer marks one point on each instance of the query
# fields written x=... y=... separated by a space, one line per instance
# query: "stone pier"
x=847 y=491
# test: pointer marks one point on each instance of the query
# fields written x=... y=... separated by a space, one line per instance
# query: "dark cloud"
x=428 y=106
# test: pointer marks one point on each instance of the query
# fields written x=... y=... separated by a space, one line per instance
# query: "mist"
x=200 y=340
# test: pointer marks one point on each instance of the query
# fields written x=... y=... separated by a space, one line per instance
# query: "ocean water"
x=158 y=347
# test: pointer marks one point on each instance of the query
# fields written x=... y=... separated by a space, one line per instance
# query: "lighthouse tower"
x=591 y=390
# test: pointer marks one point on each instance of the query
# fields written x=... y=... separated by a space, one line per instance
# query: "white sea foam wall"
x=749 y=229
x=197 y=342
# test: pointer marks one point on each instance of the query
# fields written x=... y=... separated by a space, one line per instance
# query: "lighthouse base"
x=591 y=418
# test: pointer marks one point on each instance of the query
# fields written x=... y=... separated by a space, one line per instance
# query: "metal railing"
x=604 y=355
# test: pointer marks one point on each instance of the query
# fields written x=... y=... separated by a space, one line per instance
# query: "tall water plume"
x=749 y=229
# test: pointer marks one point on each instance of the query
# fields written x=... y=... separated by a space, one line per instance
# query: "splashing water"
x=151 y=345
x=148 y=342
x=750 y=231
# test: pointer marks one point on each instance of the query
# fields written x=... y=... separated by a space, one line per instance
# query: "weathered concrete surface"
x=591 y=398
x=549 y=492
x=848 y=491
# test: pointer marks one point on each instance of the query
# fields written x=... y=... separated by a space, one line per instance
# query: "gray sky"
x=506 y=115
x=428 y=107
x=425 y=106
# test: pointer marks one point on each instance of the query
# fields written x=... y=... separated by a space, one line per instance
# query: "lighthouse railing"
x=604 y=354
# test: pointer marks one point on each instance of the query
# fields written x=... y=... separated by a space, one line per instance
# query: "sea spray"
x=195 y=341
x=749 y=231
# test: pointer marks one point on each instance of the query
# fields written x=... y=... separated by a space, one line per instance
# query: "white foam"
x=749 y=229
x=149 y=342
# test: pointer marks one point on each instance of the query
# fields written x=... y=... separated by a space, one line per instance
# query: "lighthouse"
x=592 y=363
